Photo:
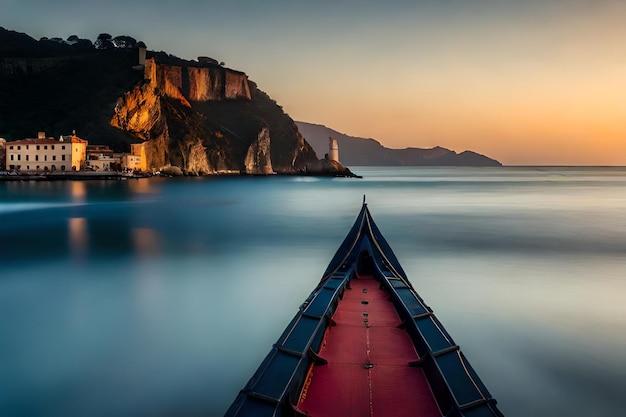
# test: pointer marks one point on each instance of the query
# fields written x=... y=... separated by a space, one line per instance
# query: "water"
x=161 y=297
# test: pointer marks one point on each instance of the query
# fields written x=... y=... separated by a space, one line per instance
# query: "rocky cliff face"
x=199 y=116
x=198 y=83
x=258 y=159
x=209 y=119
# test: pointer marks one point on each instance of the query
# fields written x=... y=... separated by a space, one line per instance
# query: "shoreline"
x=66 y=176
x=120 y=176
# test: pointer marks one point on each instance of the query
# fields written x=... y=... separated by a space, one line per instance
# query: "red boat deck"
x=367 y=333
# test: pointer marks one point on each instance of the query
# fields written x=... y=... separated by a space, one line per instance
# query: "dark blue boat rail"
x=275 y=387
x=457 y=388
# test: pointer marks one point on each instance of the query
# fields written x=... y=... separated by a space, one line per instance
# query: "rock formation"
x=258 y=159
x=204 y=82
x=209 y=119
x=327 y=167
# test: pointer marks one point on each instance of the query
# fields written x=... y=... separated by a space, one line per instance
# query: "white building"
x=46 y=154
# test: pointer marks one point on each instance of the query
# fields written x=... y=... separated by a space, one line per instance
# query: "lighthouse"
x=333 y=150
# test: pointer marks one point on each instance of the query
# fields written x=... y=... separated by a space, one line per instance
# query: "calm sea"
x=160 y=297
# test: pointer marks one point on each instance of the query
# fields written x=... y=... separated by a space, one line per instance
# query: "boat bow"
x=276 y=388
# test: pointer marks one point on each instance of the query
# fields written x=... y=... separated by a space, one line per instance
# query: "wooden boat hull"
x=295 y=379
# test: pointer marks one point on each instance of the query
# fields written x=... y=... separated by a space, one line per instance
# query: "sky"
x=527 y=82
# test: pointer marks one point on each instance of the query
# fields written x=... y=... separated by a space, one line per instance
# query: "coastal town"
x=69 y=156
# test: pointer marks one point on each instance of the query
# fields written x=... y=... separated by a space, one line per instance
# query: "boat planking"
x=288 y=373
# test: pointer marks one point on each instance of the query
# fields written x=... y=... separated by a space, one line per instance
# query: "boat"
x=364 y=343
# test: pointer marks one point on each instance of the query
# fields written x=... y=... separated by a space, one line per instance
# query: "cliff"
x=199 y=116
x=355 y=151
x=209 y=119
x=258 y=159
x=197 y=83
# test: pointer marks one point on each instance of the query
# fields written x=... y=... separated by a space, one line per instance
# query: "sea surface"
x=160 y=297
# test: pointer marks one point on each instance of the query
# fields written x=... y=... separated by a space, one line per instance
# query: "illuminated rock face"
x=204 y=83
x=197 y=162
x=138 y=111
x=209 y=119
x=258 y=159
x=236 y=86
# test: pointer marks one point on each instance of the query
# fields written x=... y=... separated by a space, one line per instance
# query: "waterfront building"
x=46 y=154
x=136 y=160
x=102 y=158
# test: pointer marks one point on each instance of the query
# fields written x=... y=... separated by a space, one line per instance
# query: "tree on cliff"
x=124 y=41
x=104 y=41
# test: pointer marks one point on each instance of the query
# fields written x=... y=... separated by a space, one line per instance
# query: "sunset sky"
x=533 y=82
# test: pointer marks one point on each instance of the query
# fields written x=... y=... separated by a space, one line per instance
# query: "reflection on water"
x=142 y=187
x=183 y=285
x=78 y=237
x=145 y=241
x=79 y=191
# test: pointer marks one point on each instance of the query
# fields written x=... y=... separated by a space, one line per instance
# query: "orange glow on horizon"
x=539 y=123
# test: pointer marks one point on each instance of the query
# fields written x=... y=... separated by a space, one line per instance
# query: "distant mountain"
x=355 y=151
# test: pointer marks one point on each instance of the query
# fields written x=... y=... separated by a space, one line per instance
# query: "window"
x=26 y=147
x=36 y=157
x=63 y=147
x=63 y=157
x=62 y=167
x=45 y=147
x=19 y=147
x=45 y=157
x=52 y=147
x=12 y=157
x=28 y=167
x=38 y=147
x=11 y=147
x=38 y=167
x=19 y=157
x=27 y=157
x=54 y=157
